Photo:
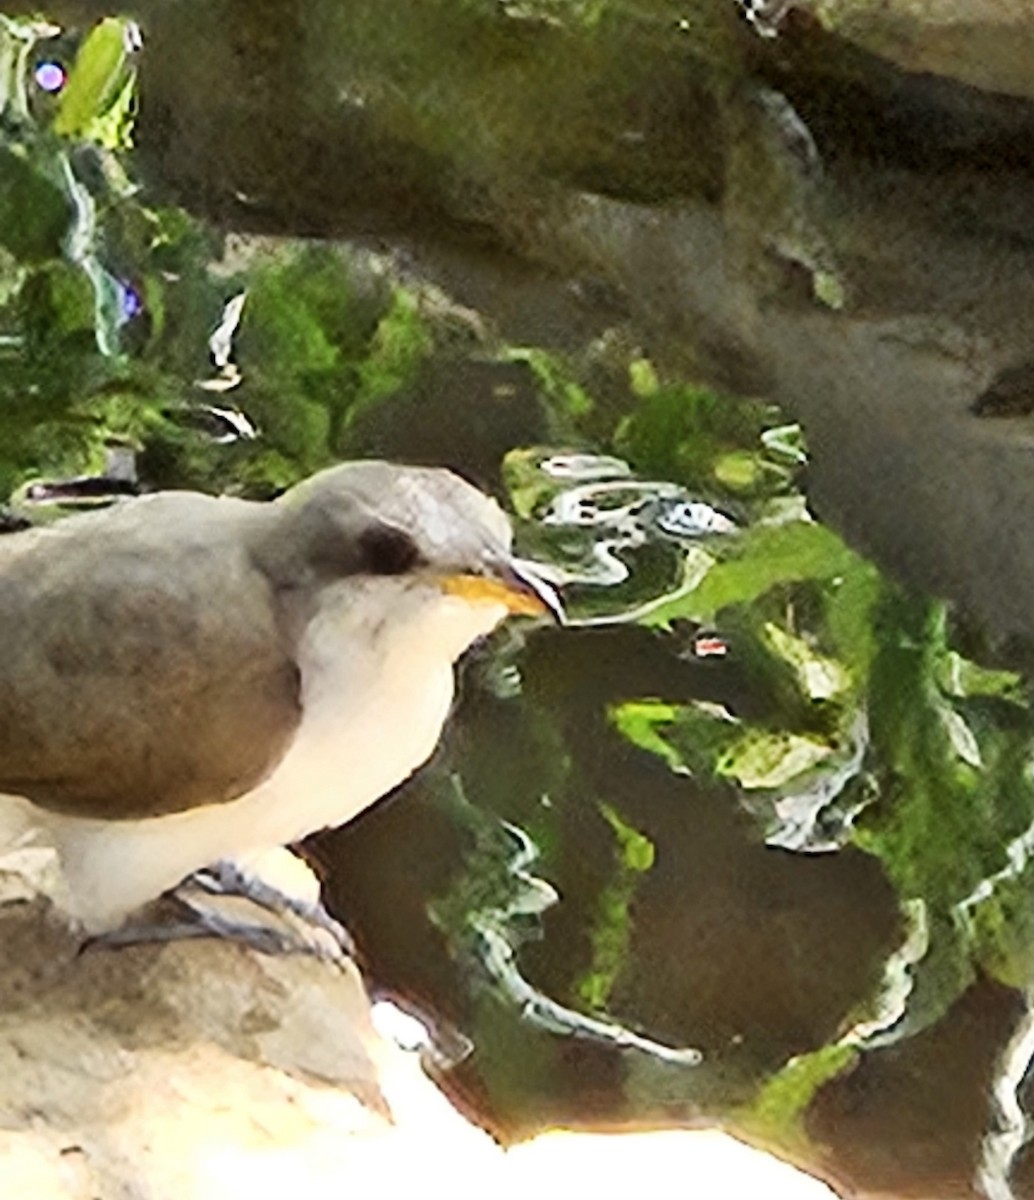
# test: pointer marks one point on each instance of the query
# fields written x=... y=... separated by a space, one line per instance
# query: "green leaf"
x=113 y=127
x=821 y=678
x=957 y=676
x=961 y=736
x=849 y=601
x=690 y=738
x=957 y=803
x=96 y=78
x=640 y=721
x=739 y=470
x=637 y=851
x=769 y=760
x=828 y=289
x=1002 y=925
x=761 y=559
x=642 y=377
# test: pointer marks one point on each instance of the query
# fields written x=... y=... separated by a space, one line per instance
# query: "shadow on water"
x=746 y=842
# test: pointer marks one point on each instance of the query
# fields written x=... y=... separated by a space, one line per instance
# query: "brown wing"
x=142 y=669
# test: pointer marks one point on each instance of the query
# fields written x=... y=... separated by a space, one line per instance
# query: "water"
x=748 y=840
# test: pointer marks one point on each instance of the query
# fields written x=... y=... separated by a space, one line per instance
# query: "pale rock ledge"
x=203 y=1071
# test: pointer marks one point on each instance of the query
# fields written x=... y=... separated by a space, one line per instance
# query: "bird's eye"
x=388 y=551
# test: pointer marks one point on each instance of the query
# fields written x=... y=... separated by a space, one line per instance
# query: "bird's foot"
x=270 y=903
x=269 y=930
x=227 y=894
x=254 y=935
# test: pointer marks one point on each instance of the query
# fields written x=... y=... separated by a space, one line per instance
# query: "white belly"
x=376 y=694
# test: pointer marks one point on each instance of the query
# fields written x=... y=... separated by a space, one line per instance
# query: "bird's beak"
x=512 y=582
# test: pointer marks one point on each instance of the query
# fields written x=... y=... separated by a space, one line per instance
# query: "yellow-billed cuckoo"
x=186 y=679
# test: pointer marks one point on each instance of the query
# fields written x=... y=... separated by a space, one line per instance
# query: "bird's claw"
x=304 y=925
x=229 y=902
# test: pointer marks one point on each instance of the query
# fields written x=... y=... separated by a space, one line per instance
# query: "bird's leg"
x=279 y=883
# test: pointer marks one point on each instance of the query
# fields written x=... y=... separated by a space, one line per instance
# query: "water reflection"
x=747 y=842
x=696 y=825
x=494 y=948
x=598 y=526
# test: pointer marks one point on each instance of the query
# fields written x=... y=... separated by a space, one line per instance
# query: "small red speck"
x=710 y=647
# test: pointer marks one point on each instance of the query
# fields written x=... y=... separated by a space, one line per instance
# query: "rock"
x=201 y=1069
x=152 y=1070
x=986 y=44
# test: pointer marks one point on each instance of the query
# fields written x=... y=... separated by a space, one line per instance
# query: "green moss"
x=401 y=343
x=695 y=436
x=611 y=930
x=566 y=397
x=34 y=212
x=777 y=1113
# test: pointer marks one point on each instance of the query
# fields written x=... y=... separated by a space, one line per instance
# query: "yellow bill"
x=513 y=585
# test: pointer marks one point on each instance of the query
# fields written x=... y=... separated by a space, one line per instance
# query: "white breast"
x=377 y=679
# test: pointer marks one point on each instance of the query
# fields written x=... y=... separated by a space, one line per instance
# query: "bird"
x=189 y=680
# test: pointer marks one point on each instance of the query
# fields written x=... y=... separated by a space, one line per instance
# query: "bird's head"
x=374 y=518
